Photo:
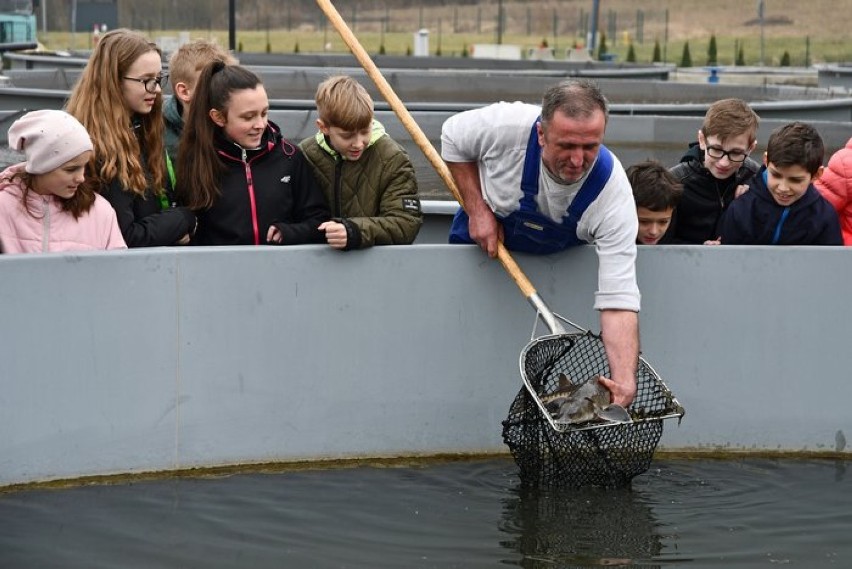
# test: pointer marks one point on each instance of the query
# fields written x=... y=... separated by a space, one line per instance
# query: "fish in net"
x=592 y=453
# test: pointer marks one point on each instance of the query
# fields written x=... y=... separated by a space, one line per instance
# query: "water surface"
x=744 y=513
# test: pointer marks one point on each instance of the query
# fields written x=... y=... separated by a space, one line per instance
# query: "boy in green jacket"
x=366 y=176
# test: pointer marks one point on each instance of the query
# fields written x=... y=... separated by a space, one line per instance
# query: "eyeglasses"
x=150 y=83
x=734 y=155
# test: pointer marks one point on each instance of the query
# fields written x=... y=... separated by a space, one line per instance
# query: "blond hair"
x=98 y=103
x=186 y=63
x=344 y=103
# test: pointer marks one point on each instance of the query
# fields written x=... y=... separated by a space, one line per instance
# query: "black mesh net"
x=591 y=454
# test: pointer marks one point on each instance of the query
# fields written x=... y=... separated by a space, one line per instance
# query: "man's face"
x=652 y=224
x=788 y=184
x=724 y=157
x=569 y=146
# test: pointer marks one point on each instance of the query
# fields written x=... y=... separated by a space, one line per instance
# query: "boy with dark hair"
x=366 y=176
x=714 y=170
x=782 y=206
x=657 y=193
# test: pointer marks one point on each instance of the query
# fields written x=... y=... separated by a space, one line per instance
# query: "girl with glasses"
x=119 y=100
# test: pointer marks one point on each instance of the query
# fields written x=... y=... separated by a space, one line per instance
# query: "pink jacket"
x=835 y=185
x=48 y=228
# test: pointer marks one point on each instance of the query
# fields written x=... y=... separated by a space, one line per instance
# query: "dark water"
x=745 y=513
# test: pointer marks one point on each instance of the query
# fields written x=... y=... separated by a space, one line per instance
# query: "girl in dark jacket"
x=246 y=183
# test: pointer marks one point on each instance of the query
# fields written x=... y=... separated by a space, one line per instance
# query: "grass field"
x=813 y=33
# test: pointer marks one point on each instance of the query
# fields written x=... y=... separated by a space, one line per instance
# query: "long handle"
x=422 y=141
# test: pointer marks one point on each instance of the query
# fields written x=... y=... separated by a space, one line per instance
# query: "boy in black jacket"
x=782 y=207
x=714 y=171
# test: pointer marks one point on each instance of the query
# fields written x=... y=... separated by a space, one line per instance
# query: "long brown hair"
x=199 y=167
x=93 y=102
x=77 y=205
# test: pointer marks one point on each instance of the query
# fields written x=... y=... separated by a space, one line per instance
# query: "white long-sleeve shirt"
x=496 y=137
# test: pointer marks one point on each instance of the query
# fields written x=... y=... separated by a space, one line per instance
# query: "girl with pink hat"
x=44 y=204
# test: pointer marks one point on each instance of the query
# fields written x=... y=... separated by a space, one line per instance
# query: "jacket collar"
x=378 y=131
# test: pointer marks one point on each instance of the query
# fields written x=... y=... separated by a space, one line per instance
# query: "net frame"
x=599 y=452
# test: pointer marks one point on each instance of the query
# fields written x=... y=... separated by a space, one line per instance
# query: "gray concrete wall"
x=173 y=358
x=631 y=137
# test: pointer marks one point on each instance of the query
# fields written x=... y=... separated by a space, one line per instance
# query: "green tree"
x=686 y=59
x=740 y=56
x=408 y=50
x=465 y=52
x=268 y=47
x=785 y=59
x=240 y=46
x=382 y=49
x=657 y=57
x=712 y=55
x=296 y=48
x=602 y=49
x=631 y=54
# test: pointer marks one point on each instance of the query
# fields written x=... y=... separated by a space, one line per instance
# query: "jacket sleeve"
x=152 y=228
x=835 y=184
x=733 y=222
x=112 y=238
x=309 y=207
x=399 y=217
x=831 y=233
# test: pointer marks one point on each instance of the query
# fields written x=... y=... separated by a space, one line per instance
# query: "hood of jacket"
x=761 y=193
x=693 y=154
x=378 y=131
x=37 y=204
x=172 y=110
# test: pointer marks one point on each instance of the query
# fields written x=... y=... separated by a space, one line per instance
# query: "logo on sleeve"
x=411 y=204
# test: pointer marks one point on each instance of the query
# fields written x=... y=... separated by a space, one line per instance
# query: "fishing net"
x=595 y=453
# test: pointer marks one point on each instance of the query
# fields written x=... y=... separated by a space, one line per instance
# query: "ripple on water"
x=703 y=513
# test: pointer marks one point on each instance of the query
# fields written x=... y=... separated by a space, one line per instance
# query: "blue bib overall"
x=526 y=229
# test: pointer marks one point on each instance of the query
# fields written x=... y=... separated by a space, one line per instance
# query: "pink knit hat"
x=49 y=139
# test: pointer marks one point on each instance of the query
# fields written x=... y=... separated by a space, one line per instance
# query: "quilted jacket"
x=375 y=197
x=835 y=185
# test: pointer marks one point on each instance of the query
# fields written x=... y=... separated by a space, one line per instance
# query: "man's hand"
x=482 y=226
x=485 y=230
x=183 y=240
x=622 y=393
x=335 y=234
x=620 y=333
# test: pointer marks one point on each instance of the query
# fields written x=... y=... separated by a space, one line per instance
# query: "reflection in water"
x=581 y=528
x=701 y=514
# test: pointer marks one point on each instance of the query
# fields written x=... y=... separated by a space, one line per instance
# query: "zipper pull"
x=245 y=154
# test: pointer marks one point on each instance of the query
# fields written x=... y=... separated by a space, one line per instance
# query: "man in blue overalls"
x=541 y=180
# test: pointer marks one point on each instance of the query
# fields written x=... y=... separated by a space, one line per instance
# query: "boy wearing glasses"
x=782 y=206
x=714 y=171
